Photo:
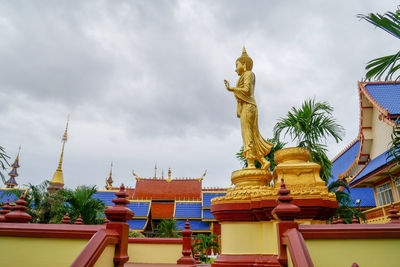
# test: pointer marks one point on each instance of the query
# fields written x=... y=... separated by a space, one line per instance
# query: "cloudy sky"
x=143 y=80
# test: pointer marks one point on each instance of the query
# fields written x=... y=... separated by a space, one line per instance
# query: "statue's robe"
x=255 y=146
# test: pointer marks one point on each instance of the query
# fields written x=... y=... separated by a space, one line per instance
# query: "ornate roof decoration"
x=11 y=182
x=58 y=179
x=109 y=180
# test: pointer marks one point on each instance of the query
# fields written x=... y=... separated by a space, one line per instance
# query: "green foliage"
x=167 y=228
x=389 y=22
x=80 y=202
x=204 y=244
x=3 y=162
x=270 y=157
x=311 y=125
x=133 y=233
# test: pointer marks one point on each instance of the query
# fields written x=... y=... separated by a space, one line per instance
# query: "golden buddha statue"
x=255 y=147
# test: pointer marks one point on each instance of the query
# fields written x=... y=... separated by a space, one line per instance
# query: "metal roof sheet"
x=187 y=210
x=342 y=163
x=140 y=208
x=208 y=196
x=194 y=225
x=386 y=95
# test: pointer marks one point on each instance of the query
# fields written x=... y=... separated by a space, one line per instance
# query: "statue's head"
x=245 y=61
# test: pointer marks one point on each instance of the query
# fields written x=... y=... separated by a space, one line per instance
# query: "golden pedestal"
x=247 y=207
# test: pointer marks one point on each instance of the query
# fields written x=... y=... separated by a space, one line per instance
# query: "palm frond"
x=376 y=68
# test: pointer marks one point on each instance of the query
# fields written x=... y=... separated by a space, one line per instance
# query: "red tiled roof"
x=162 y=210
x=163 y=189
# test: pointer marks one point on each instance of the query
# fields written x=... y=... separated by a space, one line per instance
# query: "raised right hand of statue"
x=227 y=85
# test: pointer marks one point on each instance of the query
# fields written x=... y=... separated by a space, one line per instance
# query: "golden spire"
x=58 y=179
x=109 y=180
x=169 y=175
x=162 y=174
x=155 y=171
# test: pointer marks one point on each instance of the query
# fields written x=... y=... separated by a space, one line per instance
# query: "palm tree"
x=311 y=125
x=3 y=162
x=270 y=157
x=389 y=22
x=204 y=244
x=167 y=228
x=81 y=202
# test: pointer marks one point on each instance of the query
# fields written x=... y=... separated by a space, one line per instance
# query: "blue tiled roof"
x=141 y=209
x=387 y=96
x=207 y=215
x=4 y=197
x=342 y=163
x=187 y=210
x=137 y=224
x=107 y=197
x=373 y=165
x=194 y=225
x=366 y=195
x=208 y=196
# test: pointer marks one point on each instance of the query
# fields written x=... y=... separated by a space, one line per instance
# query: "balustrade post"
x=118 y=215
x=186 y=246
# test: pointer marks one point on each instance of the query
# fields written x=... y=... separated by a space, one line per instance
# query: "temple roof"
x=12 y=197
x=207 y=196
x=187 y=210
x=207 y=215
x=141 y=209
x=162 y=210
x=371 y=166
x=194 y=225
x=167 y=189
x=106 y=196
x=386 y=95
x=138 y=225
x=366 y=195
x=344 y=161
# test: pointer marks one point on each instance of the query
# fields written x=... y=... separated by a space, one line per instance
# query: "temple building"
x=370 y=173
x=157 y=198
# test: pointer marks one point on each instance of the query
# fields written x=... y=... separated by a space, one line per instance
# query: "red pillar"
x=5 y=209
x=186 y=246
x=286 y=212
x=118 y=215
x=18 y=215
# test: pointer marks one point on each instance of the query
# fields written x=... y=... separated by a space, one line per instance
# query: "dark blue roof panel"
x=107 y=197
x=208 y=196
x=366 y=195
x=207 y=215
x=187 y=210
x=387 y=96
x=373 y=165
x=342 y=163
x=140 y=208
x=137 y=224
x=194 y=225
x=4 y=196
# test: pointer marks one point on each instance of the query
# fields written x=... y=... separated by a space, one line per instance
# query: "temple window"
x=384 y=194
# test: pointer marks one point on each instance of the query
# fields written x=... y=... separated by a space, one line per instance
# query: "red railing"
x=95 y=247
x=297 y=248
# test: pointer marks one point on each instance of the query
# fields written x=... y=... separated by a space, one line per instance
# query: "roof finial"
x=162 y=174
x=11 y=182
x=58 y=180
x=109 y=180
x=155 y=170
x=169 y=174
